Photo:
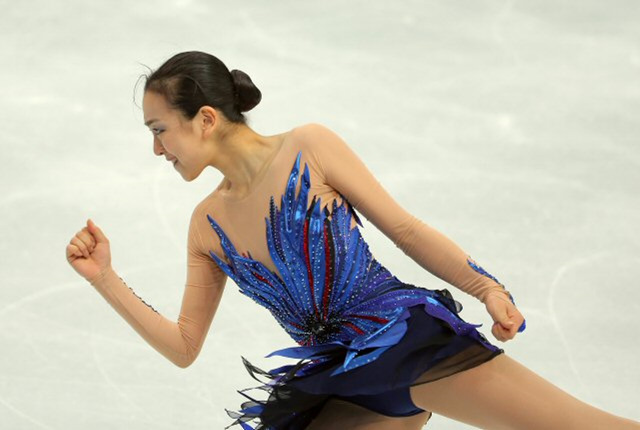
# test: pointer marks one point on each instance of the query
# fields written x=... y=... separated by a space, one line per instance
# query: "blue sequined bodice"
x=330 y=288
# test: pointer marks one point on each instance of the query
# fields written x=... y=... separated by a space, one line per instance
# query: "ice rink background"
x=511 y=127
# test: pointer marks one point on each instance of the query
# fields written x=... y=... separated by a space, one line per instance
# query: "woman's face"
x=173 y=135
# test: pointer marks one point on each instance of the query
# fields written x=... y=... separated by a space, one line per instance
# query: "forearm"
x=163 y=335
x=442 y=257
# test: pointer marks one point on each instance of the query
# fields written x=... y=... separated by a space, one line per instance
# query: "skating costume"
x=362 y=334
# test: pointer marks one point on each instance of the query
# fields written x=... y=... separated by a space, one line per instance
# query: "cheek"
x=168 y=144
x=186 y=150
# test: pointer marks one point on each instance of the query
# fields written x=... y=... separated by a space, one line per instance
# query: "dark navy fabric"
x=394 y=403
x=382 y=385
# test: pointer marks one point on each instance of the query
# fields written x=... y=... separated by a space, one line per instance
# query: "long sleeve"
x=344 y=171
x=179 y=342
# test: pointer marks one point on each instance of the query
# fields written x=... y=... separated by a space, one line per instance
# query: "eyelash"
x=156 y=131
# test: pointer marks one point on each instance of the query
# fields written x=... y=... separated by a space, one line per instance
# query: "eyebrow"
x=149 y=122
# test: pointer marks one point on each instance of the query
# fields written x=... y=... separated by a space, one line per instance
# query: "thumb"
x=96 y=232
x=507 y=324
x=504 y=320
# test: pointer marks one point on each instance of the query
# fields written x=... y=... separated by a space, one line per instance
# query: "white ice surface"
x=512 y=127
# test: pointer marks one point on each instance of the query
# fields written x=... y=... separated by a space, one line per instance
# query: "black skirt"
x=432 y=348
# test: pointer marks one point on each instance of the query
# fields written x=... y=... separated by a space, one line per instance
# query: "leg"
x=339 y=415
x=502 y=394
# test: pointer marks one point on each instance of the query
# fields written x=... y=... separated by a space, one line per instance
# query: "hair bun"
x=247 y=94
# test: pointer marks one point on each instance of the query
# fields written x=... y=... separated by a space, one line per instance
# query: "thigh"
x=340 y=414
x=502 y=394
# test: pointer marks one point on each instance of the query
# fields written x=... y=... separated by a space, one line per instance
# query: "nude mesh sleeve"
x=179 y=342
x=344 y=171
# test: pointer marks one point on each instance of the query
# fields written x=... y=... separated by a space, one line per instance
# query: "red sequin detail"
x=371 y=318
x=328 y=275
x=262 y=278
x=355 y=327
x=308 y=264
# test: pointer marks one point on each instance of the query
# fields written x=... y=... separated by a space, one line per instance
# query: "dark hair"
x=190 y=80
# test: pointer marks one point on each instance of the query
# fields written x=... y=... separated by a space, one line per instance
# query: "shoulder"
x=197 y=214
x=199 y=225
x=315 y=136
x=205 y=206
x=311 y=131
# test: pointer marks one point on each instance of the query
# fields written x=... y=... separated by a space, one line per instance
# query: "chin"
x=190 y=176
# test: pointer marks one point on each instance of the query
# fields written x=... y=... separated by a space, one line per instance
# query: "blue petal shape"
x=360 y=361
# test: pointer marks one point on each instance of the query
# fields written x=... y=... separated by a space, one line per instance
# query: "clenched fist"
x=507 y=318
x=88 y=252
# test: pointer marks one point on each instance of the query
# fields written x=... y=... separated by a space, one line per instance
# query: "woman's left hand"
x=507 y=318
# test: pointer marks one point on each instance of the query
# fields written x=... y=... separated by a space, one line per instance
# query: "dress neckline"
x=260 y=176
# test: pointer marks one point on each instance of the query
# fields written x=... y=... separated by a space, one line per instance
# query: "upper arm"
x=202 y=270
x=344 y=171
x=203 y=290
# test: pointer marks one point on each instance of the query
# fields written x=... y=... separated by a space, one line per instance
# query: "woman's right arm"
x=180 y=341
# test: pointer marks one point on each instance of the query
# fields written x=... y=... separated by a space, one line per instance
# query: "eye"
x=157 y=131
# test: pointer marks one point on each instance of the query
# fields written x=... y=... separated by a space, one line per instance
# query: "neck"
x=241 y=154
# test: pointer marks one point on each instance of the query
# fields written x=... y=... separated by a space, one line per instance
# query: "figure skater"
x=371 y=351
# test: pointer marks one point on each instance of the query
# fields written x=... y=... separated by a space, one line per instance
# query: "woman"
x=374 y=352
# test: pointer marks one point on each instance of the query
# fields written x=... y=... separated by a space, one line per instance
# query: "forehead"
x=155 y=106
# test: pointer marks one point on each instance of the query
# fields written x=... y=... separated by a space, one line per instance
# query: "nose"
x=157 y=146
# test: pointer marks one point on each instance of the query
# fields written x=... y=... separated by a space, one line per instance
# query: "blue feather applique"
x=330 y=287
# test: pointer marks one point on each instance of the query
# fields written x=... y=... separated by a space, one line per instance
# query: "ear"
x=208 y=119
